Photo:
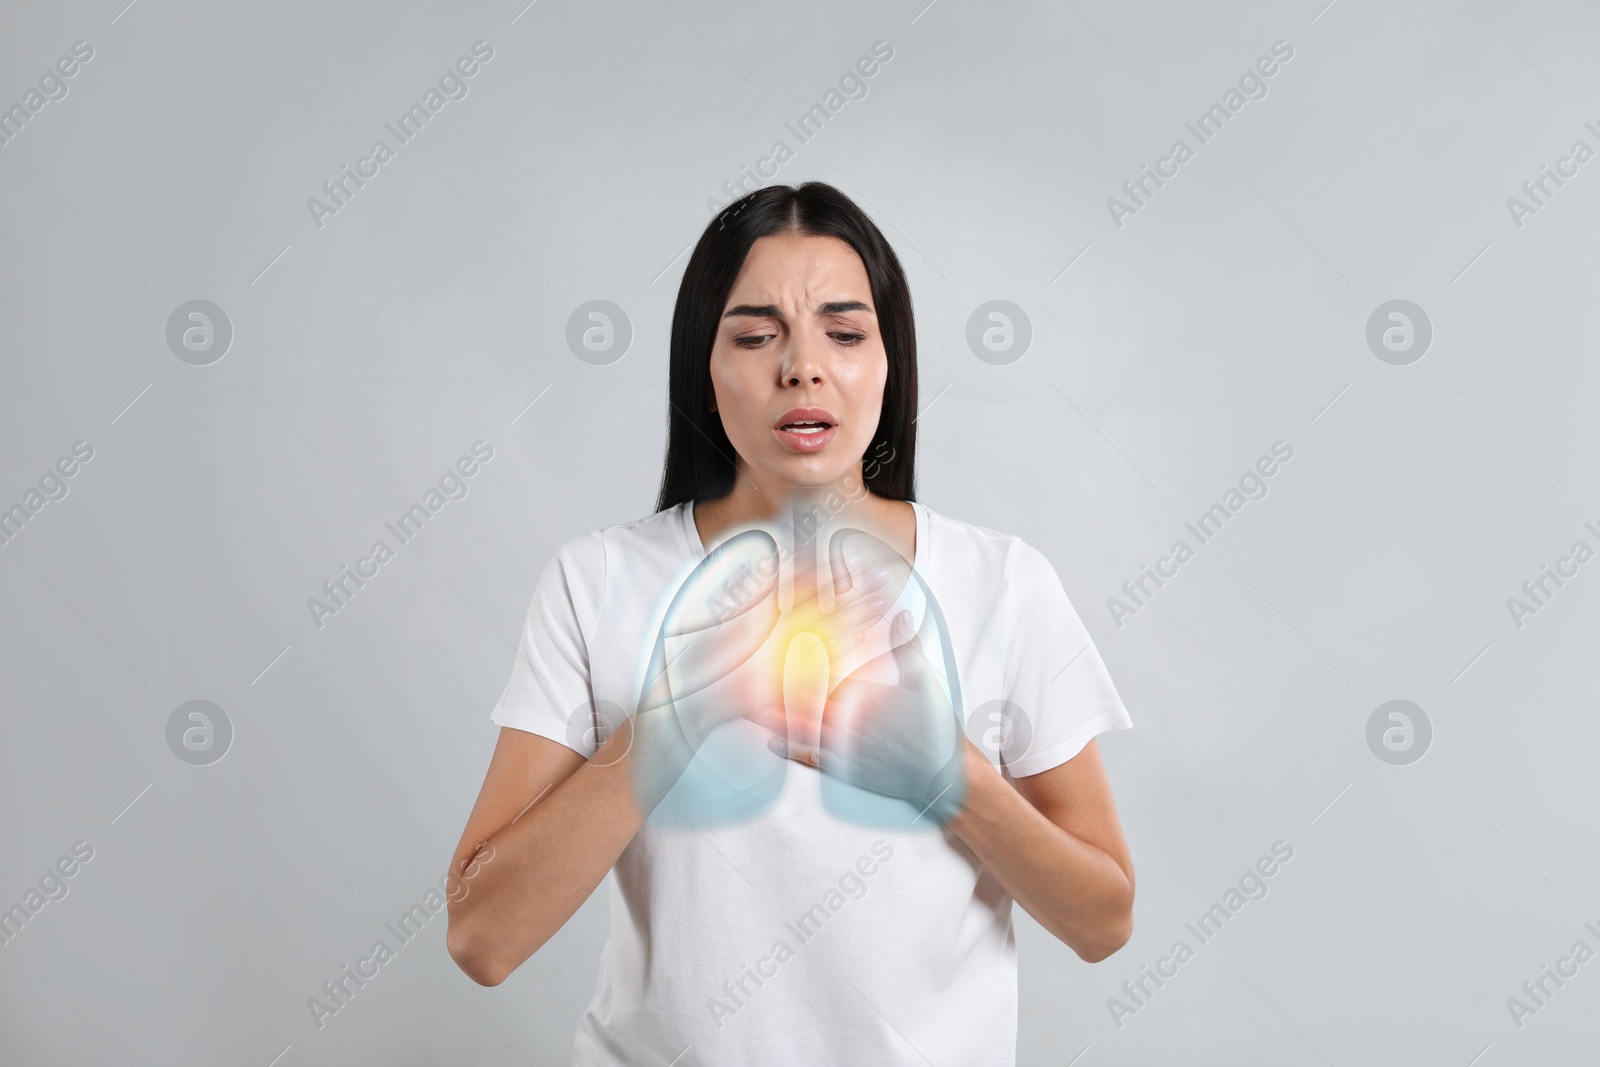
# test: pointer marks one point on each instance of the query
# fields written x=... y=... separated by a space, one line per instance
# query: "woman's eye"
x=845 y=338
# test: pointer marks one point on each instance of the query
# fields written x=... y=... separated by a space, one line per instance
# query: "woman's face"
x=799 y=331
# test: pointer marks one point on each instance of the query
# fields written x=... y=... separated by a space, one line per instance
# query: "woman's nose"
x=803 y=362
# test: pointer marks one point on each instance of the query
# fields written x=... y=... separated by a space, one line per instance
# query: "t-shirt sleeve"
x=549 y=692
x=1059 y=692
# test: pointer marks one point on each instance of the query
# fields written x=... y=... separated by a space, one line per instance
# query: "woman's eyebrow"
x=770 y=311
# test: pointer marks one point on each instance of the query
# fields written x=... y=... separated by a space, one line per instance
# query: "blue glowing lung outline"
x=852 y=804
x=733 y=775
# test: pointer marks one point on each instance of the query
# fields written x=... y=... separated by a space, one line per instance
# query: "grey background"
x=369 y=354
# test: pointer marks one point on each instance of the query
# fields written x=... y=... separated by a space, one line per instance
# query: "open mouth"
x=806 y=429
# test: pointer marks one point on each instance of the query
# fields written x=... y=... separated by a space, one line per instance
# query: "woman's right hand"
x=702 y=668
x=705 y=669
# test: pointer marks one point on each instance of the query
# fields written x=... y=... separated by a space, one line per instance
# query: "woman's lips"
x=806 y=441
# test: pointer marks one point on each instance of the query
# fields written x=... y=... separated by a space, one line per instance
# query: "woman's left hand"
x=889 y=727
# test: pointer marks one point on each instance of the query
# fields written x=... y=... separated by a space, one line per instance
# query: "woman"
x=839 y=892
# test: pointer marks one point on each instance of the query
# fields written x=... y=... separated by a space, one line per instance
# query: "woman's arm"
x=549 y=824
x=546 y=828
x=1054 y=843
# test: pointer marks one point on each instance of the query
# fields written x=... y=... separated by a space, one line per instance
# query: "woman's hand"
x=889 y=727
x=720 y=657
x=707 y=665
x=838 y=621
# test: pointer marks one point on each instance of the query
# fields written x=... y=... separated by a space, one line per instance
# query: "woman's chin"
x=808 y=478
x=816 y=471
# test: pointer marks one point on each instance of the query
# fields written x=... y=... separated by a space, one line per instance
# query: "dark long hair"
x=700 y=458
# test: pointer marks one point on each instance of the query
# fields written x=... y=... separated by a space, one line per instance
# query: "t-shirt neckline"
x=698 y=551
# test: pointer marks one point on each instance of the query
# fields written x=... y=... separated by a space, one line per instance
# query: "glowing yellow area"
x=805 y=686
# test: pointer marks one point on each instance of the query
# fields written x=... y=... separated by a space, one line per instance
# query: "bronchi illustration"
x=823 y=640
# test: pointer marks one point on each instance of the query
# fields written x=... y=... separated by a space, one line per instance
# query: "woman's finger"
x=800 y=753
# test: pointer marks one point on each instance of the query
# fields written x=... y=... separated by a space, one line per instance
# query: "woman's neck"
x=807 y=511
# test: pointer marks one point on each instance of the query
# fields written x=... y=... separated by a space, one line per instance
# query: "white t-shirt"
x=794 y=937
